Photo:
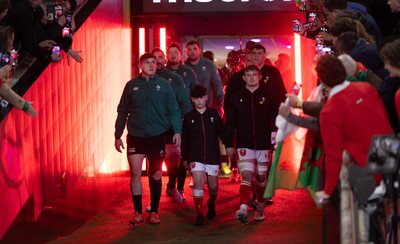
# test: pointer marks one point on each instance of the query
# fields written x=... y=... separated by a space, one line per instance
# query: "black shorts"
x=152 y=147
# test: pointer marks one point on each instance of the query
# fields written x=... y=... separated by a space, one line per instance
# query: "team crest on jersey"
x=193 y=165
x=204 y=68
x=262 y=100
x=169 y=80
x=131 y=150
x=136 y=88
x=242 y=152
x=158 y=87
x=212 y=119
x=162 y=153
x=184 y=74
x=241 y=100
x=192 y=121
x=266 y=79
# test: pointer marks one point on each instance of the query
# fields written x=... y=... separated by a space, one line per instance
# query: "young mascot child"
x=200 y=131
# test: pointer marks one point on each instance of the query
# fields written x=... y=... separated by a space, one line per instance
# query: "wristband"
x=299 y=104
x=26 y=106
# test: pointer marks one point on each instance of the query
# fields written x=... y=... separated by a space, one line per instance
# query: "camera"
x=56 y=50
x=383 y=155
x=296 y=25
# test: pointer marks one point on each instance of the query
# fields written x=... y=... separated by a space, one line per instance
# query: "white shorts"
x=255 y=161
x=211 y=170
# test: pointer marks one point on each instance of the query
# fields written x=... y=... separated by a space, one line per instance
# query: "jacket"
x=147 y=108
x=200 y=133
x=251 y=118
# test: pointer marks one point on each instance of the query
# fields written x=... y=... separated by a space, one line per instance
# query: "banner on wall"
x=207 y=6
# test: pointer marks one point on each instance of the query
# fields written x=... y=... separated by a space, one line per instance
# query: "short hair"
x=174 y=44
x=209 y=55
x=330 y=70
x=157 y=49
x=258 y=46
x=198 y=91
x=284 y=56
x=145 y=56
x=346 y=42
x=390 y=53
x=249 y=45
x=252 y=67
x=346 y=24
x=335 y=4
x=192 y=42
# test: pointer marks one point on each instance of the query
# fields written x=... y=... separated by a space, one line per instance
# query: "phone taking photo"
x=296 y=25
x=56 y=50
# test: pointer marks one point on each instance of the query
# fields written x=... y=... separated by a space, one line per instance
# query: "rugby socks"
x=198 y=200
x=260 y=189
x=245 y=192
x=155 y=193
x=137 y=203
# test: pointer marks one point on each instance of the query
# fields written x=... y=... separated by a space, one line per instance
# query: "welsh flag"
x=296 y=164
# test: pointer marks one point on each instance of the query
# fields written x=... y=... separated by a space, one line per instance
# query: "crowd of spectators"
x=38 y=28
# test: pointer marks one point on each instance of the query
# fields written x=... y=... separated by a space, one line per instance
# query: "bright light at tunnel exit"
x=163 y=39
x=297 y=58
x=141 y=41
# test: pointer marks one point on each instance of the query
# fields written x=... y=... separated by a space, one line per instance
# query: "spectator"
x=362 y=51
x=390 y=86
x=4 y=6
x=356 y=71
x=353 y=114
x=6 y=40
x=395 y=8
x=31 y=36
x=333 y=7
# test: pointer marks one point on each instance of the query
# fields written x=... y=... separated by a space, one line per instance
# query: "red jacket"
x=353 y=114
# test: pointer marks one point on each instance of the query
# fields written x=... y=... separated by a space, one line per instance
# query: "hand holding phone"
x=56 y=50
x=296 y=25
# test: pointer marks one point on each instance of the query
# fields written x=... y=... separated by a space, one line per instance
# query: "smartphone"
x=58 y=11
x=66 y=31
x=319 y=39
x=68 y=18
x=5 y=59
x=295 y=89
x=50 y=12
x=311 y=17
x=56 y=50
x=296 y=25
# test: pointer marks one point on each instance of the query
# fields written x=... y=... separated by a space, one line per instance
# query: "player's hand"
x=177 y=140
x=118 y=144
